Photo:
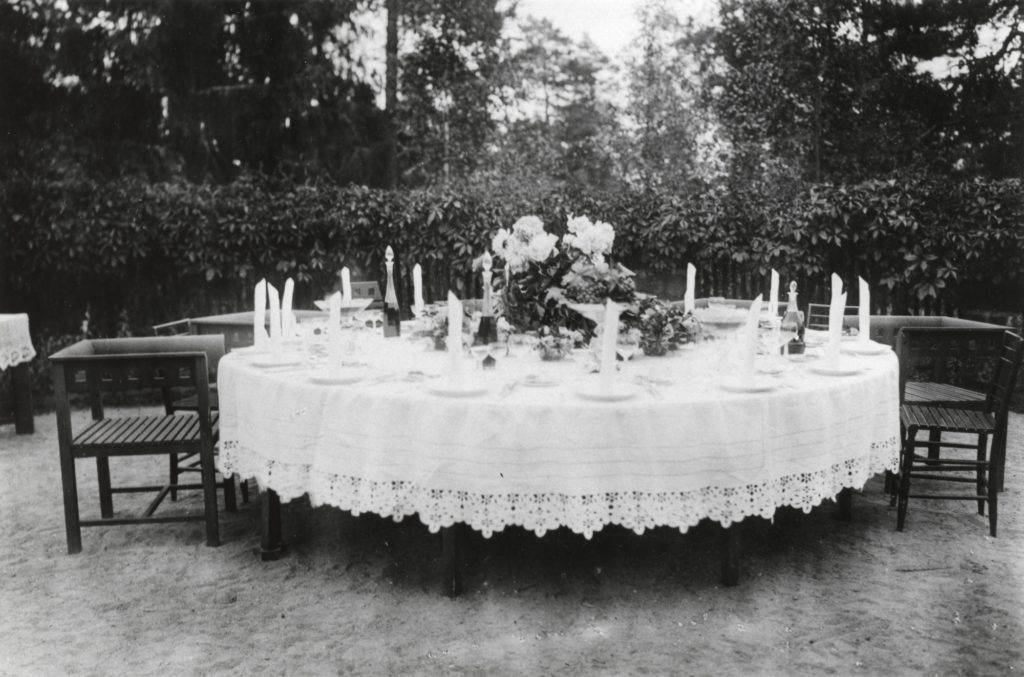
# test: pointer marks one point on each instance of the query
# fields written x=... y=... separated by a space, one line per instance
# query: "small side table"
x=16 y=352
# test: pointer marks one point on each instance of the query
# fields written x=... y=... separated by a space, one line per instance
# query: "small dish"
x=269 y=361
x=535 y=381
x=838 y=370
x=738 y=384
x=864 y=348
x=597 y=392
x=450 y=389
x=338 y=378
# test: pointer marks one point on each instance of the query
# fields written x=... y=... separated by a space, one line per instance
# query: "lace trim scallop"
x=583 y=514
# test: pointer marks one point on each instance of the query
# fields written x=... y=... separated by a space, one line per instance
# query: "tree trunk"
x=391 y=92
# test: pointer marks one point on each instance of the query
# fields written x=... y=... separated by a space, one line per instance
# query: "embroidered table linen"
x=542 y=458
x=15 y=342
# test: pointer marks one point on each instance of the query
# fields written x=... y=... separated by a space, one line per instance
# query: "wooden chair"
x=987 y=464
x=175 y=401
x=93 y=367
x=817 y=315
x=950 y=366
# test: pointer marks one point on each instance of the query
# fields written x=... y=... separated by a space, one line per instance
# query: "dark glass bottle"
x=392 y=309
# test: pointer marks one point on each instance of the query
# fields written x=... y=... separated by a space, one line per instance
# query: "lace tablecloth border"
x=15 y=356
x=583 y=514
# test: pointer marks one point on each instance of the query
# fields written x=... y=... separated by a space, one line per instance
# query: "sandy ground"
x=360 y=595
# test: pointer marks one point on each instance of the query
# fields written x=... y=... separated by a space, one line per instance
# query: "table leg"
x=451 y=556
x=272 y=545
x=730 y=555
x=845 y=503
x=21 y=386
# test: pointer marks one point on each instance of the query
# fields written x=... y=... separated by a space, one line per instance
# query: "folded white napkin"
x=864 y=311
x=773 y=297
x=417 y=290
x=691 y=284
x=836 y=309
x=287 y=316
x=346 y=285
x=749 y=347
x=259 y=328
x=609 y=340
x=454 y=342
x=334 y=330
x=274 y=300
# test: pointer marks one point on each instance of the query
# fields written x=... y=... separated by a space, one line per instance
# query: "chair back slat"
x=963 y=356
x=817 y=315
x=1005 y=378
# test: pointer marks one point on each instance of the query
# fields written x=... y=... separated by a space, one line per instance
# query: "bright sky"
x=611 y=24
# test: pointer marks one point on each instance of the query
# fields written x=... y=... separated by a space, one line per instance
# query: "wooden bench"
x=93 y=367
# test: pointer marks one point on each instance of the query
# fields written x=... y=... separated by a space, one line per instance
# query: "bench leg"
x=21 y=386
x=730 y=555
x=272 y=545
x=103 y=479
x=844 y=501
x=451 y=556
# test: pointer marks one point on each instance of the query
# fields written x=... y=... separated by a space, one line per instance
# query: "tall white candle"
x=773 y=298
x=454 y=341
x=346 y=285
x=274 y=300
x=691 y=284
x=287 y=318
x=864 y=310
x=609 y=340
x=417 y=289
x=750 y=340
x=334 y=330
x=259 y=316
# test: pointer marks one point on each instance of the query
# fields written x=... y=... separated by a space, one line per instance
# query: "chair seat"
x=917 y=392
x=142 y=430
x=950 y=419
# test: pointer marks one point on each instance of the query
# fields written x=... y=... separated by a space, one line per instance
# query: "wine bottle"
x=392 y=312
x=487 y=332
x=792 y=324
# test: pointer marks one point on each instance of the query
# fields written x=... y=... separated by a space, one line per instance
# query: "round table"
x=16 y=351
x=540 y=447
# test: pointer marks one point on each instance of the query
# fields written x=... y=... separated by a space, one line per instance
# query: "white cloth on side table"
x=15 y=341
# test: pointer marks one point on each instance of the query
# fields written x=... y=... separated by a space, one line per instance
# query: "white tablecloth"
x=544 y=457
x=15 y=342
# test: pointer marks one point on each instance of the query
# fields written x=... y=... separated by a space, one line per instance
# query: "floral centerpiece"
x=544 y=274
x=665 y=327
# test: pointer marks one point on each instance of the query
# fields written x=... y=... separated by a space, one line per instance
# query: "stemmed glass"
x=522 y=345
x=627 y=345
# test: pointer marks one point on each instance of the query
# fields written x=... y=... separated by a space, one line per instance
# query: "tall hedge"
x=131 y=254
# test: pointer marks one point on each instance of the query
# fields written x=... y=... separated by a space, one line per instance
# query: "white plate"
x=458 y=390
x=802 y=357
x=841 y=370
x=598 y=393
x=754 y=385
x=534 y=381
x=270 y=361
x=864 y=348
x=771 y=368
x=338 y=379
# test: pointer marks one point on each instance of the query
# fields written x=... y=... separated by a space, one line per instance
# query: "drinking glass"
x=789 y=328
x=522 y=345
x=627 y=345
